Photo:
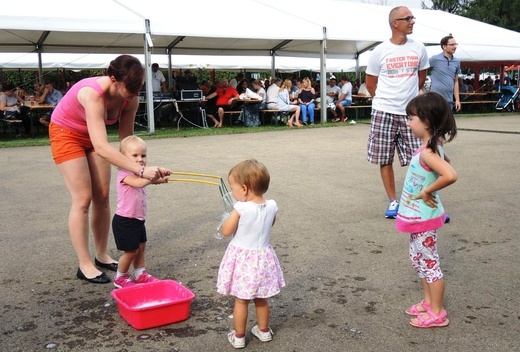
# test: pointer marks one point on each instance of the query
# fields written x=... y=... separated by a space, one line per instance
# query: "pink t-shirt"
x=70 y=114
x=131 y=201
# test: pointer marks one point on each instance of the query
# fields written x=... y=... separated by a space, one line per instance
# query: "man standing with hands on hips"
x=445 y=69
x=395 y=72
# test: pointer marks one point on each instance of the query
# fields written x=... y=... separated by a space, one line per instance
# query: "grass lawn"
x=42 y=138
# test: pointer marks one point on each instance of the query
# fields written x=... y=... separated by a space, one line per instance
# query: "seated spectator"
x=38 y=90
x=272 y=94
x=210 y=104
x=332 y=92
x=49 y=96
x=10 y=102
x=204 y=87
x=345 y=99
x=226 y=95
x=252 y=109
x=242 y=86
x=468 y=82
x=463 y=87
x=235 y=81
x=355 y=86
x=306 y=100
x=362 y=90
x=284 y=103
x=296 y=89
x=187 y=82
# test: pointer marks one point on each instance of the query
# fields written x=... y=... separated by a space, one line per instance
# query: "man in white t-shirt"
x=344 y=100
x=272 y=94
x=333 y=92
x=158 y=85
x=395 y=72
x=158 y=80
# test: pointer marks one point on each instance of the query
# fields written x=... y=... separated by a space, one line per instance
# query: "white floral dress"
x=250 y=268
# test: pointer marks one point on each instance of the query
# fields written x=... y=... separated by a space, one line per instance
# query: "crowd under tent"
x=270 y=28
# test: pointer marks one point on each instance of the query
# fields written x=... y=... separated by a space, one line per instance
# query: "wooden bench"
x=232 y=113
x=482 y=105
x=276 y=115
x=357 y=108
x=10 y=126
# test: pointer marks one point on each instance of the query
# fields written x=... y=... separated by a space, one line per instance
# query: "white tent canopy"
x=230 y=27
x=29 y=61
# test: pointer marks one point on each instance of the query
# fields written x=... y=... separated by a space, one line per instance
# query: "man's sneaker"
x=336 y=119
x=393 y=207
x=237 y=342
x=123 y=281
x=262 y=336
x=343 y=119
x=145 y=278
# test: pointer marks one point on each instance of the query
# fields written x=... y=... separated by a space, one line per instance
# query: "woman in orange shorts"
x=84 y=157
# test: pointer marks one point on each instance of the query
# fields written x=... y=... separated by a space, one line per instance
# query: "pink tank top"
x=70 y=114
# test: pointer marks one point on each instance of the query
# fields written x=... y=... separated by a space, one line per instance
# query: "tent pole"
x=323 y=81
x=273 y=73
x=148 y=44
x=170 y=77
x=40 y=67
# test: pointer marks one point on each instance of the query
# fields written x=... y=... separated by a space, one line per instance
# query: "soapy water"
x=229 y=202
x=218 y=234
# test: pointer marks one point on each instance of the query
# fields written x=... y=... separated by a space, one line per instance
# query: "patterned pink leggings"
x=424 y=256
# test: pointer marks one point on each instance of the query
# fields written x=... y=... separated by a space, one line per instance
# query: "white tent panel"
x=100 y=61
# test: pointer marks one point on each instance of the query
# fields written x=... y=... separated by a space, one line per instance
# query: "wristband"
x=142 y=171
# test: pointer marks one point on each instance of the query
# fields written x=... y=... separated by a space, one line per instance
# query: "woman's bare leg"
x=76 y=174
x=100 y=222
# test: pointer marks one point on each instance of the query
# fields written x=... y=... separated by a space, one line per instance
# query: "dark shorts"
x=129 y=233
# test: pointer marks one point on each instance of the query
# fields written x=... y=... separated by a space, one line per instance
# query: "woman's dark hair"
x=9 y=86
x=127 y=69
x=433 y=109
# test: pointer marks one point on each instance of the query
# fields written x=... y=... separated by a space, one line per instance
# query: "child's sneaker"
x=145 y=278
x=237 y=342
x=393 y=207
x=262 y=336
x=123 y=281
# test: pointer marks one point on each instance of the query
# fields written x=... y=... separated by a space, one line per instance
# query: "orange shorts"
x=67 y=145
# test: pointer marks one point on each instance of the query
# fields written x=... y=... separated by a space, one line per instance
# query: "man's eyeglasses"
x=452 y=44
x=407 y=19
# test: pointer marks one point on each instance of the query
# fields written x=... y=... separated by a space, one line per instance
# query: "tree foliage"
x=501 y=13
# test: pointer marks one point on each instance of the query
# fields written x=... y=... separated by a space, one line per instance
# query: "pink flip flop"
x=433 y=321
x=413 y=311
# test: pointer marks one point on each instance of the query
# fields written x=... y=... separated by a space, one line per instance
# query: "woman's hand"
x=154 y=173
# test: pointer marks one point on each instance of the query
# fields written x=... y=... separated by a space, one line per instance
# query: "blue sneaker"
x=393 y=207
x=448 y=219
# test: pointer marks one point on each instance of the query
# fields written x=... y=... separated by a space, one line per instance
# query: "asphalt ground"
x=347 y=270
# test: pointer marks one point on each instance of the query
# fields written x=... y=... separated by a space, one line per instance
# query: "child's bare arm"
x=136 y=181
x=230 y=225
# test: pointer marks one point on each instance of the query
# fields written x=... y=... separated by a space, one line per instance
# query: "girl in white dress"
x=250 y=269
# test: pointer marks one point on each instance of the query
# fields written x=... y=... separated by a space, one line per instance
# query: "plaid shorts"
x=424 y=255
x=388 y=131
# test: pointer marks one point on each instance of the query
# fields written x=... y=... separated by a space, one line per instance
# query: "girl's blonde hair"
x=129 y=140
x=253 y=174
x=286 y=84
